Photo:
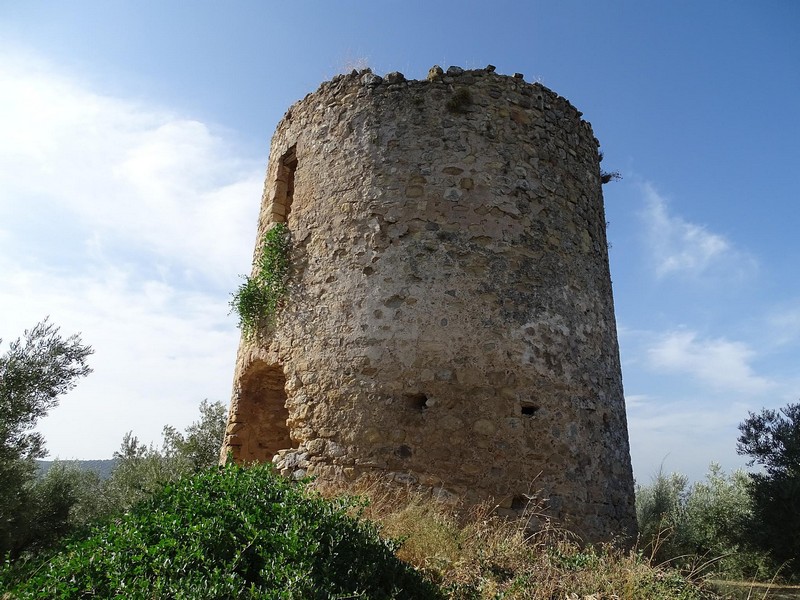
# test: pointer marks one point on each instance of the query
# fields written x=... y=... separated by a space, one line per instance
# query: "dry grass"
x=476 y=554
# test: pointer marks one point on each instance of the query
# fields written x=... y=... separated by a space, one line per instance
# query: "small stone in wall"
x=395 y=77
x=371 y=79
x=484 y=427
x=435 y=73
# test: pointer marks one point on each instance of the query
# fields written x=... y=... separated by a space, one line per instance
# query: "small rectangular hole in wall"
x=418 y=402
x=528 y=410
x=520 y=502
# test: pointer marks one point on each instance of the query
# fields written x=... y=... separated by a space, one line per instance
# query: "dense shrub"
x=141 y=470
x=771 y=439
x=705 y=525
x=227 y=533
x=661 y=516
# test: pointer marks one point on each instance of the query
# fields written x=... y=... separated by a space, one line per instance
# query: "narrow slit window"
x=284 y=186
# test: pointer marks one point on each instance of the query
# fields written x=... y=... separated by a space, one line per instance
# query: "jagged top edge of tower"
x=396 y=80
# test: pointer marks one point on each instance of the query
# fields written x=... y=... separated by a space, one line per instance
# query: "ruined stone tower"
x=449 y=320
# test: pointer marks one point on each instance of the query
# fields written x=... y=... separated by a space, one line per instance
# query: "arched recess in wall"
x=261 y=413
x=284 y=186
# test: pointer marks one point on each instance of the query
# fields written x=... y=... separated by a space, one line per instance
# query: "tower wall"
x=449 y=321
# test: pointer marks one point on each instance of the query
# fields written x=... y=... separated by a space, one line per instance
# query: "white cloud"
x=722 y=364
x=139 y=175
x=684 y=436
x=130 y=224
x=636 y=400
x=159 y=350
x=679 y=247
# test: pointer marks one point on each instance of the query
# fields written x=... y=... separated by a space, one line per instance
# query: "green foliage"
x=198 y=448
x=34 y=372
x=460 y=101
x=65 y=499
x=718 y=516
x=40 y=511
x=258 y=299
x=702 y=526
x=102 y=467
x=142 y=470
x=661 y=516
x=139 y=472
x=226 y=533
x=772 y=440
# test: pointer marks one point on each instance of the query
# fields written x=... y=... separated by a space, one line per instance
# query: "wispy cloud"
x=129 y=223
x=722 y=364
x=679 y=247
x=636 y=400
x=784 y=325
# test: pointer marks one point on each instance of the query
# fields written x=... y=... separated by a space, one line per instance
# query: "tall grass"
x=475 y=554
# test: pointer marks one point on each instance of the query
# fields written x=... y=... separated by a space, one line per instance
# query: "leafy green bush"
x=661 y=516
x=226 y=533
x=257 y=300
x=141 y=470
x=718 y=513
x=771 y=439
x=701 y=526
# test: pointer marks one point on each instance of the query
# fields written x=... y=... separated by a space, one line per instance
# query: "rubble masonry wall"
x=450 y=320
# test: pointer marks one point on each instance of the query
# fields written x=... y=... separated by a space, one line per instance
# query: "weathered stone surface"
x=435 y=73
x=449 y=320
x=395 y=77
x=371 y=79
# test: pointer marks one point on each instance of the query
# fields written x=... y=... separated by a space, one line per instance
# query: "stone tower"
x=449 y=321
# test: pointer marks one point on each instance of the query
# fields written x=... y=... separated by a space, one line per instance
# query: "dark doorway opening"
x=261 y=414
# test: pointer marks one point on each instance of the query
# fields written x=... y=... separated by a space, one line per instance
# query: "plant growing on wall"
x=257 y=300
x=460 y=101
x=606 y=176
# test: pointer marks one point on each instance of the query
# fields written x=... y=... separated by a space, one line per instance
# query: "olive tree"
x=141 y=470
x=771 y=439
x=35 y=372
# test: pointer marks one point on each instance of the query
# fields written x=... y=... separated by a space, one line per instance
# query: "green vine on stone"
x=258 y=299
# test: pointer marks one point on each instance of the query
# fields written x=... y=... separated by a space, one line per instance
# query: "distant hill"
x=102 y=467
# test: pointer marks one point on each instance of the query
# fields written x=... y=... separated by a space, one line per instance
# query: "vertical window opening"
x=284 y=186
x=260 y=421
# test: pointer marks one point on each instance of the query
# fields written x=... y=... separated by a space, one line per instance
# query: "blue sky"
x=134 y=138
